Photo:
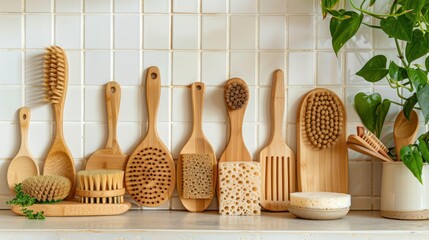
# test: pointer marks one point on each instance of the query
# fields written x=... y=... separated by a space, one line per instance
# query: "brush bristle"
x=236 y=95
x=47 y=188
x=323 y=119
x=101 y=180
x=55 y=71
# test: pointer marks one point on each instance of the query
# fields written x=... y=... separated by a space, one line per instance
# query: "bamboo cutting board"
x=75 y=209
x=111 y=157
x=278 y=161
x=321 y=169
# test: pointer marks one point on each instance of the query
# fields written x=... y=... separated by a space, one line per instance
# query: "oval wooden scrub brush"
x=47 y=188
x=59 y=160
x=22 y=165
x=150 y=175
x=321 y=143
x=111 y=157
x=278 y=162
x=197 y=165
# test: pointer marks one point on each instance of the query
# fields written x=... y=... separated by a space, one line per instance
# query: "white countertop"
x=151 y=225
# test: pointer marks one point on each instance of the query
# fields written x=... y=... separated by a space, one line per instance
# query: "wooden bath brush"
x=59 y=160
x=321 y=143
x=239 y=177
x=150 y=175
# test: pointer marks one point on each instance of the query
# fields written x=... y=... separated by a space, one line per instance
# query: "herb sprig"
x=24 y=200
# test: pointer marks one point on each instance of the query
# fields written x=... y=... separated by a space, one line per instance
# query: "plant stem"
x=379 y=16
x=400 y=55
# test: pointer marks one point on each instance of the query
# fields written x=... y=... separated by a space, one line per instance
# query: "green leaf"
x=423 y=99
x=381 y=113
x=411 y=157
x=415 y=6
x=396 y=72
x=375 y=69
x=409 y=105
x=417 y=77
x=24 y=200
x=326 y=5
x=427 y=64
x=371 y=3
x=423 y=147
x=400 y=28
x=366 y=107
x=344 y=29
x=418 y=47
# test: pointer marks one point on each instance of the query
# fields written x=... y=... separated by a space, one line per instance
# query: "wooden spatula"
x=150 y=175
x=197 y=144
x=278 y=162
x=22 y=165
x=405 y=131
x=111 y=157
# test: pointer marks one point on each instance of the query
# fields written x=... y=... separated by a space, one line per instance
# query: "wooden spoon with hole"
x=405 y=131
x=111 y=157
x=197 y=143
x=22 y=165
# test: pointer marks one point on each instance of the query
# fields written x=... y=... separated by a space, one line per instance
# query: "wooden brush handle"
x=24 y=122
x=198 y=90
x=113 y=101
x=153 y=92
x=58 y=112
x=277 y=105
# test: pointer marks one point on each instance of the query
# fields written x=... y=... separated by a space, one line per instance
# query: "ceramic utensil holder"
x=402 y=195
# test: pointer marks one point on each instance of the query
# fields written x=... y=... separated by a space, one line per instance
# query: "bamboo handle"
x=198 y=90
x=24 y=123
x=113 y=102
x=153 y=92
x=277 y=104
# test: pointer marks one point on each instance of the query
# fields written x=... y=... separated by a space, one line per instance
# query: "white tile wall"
x=189 y=40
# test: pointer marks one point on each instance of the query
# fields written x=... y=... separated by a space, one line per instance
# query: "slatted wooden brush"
x=101 y=186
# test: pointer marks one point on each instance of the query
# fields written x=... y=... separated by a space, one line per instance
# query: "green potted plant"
x=406 y=24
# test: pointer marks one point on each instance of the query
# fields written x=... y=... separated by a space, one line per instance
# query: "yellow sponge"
x=239 y=188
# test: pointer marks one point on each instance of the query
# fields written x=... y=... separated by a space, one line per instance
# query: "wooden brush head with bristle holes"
x=150 y=175
x=59 y=160
x=47 y=188
x=321 y=143
x=236 y=95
